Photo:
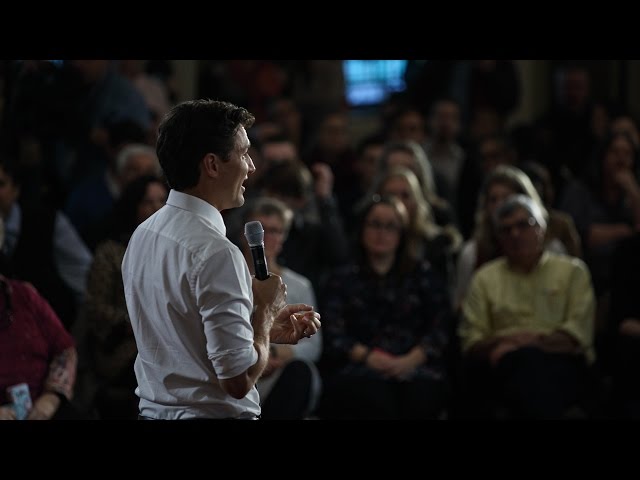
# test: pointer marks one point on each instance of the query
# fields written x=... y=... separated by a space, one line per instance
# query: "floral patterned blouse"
x=394 y=313
x=114 y=346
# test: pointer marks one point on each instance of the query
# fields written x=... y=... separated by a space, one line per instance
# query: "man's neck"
x=204 y=194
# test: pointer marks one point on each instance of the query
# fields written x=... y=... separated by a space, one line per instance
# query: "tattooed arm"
x=58 y=385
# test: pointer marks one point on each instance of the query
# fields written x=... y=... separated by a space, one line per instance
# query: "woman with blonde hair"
x=426 y=239
x=411 y=155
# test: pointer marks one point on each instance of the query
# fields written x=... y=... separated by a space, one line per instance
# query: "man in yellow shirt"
x=528 y=322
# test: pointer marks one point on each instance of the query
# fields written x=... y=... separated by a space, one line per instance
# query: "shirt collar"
x=544 y=258
x=199 y=207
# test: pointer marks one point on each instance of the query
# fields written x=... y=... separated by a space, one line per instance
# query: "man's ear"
x=211 y=165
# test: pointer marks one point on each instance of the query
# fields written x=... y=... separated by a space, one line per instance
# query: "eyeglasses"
x=521 y=225
x=377 y=225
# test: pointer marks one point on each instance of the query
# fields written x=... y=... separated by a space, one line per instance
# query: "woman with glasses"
x=385 y=325
x=290 y=384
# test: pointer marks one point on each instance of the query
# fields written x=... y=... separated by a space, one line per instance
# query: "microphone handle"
x=259 y=262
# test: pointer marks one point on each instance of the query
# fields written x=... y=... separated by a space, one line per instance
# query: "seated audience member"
x=316 y=241
x=443 y=149
x=560 y=225
x=426 y=239
x=35 y=349
x=290 y=385
x=93 y=197
x=605 y=205
x=133 y=161
x=411 y=155
x=368 y=152
x=111 y=343
x=487 y=152
x=528 y=323
x=385 y=321
x=42 y=247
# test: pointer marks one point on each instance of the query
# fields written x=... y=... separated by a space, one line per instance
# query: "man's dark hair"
x=191 y=130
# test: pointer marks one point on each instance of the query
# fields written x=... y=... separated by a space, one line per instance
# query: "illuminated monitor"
x=370 y=82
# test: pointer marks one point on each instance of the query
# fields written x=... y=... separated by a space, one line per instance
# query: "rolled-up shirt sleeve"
x=224 y=299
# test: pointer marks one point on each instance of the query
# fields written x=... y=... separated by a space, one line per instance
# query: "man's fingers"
x=298 y=307
x=308 y=321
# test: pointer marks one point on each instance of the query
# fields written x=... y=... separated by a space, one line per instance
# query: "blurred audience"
x=316 y=241
x=42 y=247
x=559 y=224
x=111 y=343
x=290 y=384
x=93 y=197
x=606 y=209
x=442 y=149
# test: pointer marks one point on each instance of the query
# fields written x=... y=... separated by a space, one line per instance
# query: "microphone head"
x=254 y=233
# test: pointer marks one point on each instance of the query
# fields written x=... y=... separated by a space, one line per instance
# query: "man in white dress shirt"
x=202 y=324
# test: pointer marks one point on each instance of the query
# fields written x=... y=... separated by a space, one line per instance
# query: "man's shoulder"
x=185 y=228
x=492 y=267
x=566 y=262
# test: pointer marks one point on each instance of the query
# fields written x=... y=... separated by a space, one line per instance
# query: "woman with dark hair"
x=386 y=319
x=606 y=206
x=111 y=341
x=606 y=211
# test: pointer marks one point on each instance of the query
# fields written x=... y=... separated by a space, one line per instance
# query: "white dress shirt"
x=189 y=297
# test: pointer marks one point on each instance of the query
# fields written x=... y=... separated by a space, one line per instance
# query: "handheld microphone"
x=254 y=233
